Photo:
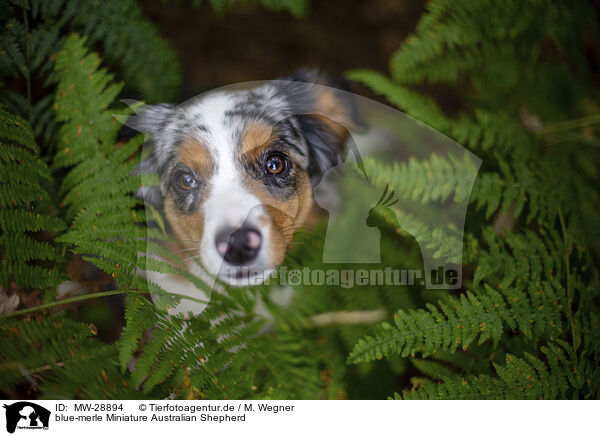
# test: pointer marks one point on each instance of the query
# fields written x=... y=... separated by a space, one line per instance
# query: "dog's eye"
x=275 y=164
x=187 y=182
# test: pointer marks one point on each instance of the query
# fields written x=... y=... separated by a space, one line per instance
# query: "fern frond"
x=421 y=107
x=33 y=32
x=527 y=297
x=435 y=179
x=33 y=348
x=557 y=375
x=22 y=200
x=101 y=206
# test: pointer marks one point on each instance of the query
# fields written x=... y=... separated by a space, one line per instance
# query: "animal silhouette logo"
x=346 y=195
x=355 y=225
x=342 y=177
x=26 y=415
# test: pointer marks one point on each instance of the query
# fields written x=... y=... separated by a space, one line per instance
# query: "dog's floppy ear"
x=150 y=120
x=326 y=113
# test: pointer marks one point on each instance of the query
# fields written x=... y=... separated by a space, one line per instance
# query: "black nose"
x=240 y=246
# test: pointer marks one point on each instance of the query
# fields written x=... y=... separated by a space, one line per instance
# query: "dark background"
x=249 y=42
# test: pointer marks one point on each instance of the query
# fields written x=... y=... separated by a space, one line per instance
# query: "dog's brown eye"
x=275 y=164
x=187 y=181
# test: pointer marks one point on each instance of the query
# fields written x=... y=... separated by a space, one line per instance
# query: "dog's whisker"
x=298 y=226
x=294 y=231
x=303 y=229
x=185 y=249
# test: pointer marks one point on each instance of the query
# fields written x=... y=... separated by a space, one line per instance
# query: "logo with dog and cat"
x=25 y=415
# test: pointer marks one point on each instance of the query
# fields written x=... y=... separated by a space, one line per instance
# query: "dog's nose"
x=240 y=246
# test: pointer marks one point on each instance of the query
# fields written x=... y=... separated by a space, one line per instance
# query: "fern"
x=27 y=259
x=180 y=357
x=526 y=299
x=29 y=348
x=524 y=284
x=33 y=32
x=523 y=325
x=87 y=140
x=559 y=375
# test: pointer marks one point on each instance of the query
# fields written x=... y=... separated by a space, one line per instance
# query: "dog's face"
x=237 y=168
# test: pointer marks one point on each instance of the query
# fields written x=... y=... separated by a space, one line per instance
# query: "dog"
x=237 y=170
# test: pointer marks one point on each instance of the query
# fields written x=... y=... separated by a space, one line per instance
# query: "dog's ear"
x=150 y=120
x=326 y=113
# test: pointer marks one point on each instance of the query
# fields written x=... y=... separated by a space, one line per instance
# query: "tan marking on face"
x=255 y=138
x=286 y=216
x=195 y=156
x=187 y=228
x=333 y=113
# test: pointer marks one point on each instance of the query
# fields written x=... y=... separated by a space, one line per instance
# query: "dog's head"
x=237 y=167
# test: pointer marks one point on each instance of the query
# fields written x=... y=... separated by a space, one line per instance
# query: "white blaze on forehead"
x=229 y=204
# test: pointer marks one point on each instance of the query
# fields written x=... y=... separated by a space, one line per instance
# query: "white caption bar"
x=273 y=417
